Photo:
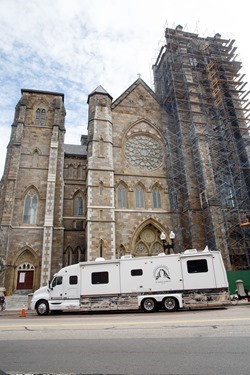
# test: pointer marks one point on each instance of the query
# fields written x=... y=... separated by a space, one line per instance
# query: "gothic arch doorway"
x=147 y=240
x=26 y=270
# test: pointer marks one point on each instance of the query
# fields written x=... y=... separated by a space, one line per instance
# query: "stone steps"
x=16 y=302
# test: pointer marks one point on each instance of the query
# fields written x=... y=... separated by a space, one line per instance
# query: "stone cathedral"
x=150 y=163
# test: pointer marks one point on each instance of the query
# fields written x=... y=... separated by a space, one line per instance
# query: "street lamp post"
x=167 y=246
x=2 y=273
x=2 y=264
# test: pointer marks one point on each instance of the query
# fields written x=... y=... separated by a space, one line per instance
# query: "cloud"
x=72 y=46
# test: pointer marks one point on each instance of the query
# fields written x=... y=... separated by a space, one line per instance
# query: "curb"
x=15 y=312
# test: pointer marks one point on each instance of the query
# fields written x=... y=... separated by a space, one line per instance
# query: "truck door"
x=198 y=272
x=57 y=288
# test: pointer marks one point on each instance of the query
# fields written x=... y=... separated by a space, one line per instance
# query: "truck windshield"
x=56 y=281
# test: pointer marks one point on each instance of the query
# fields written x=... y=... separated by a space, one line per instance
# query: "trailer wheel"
x=42 y=307
x=149 y=305
x=170 y=304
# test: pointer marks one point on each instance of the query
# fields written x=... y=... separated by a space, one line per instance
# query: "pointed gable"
x=135 y=85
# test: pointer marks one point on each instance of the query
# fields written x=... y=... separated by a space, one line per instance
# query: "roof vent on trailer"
x=206 y=250
x=99 y=259
x=190 y=251
x=129 y=256
x=161 y=254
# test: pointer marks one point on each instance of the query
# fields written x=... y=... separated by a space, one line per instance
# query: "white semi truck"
x=189 y=279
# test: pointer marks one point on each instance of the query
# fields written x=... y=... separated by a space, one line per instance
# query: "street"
x=214 y=341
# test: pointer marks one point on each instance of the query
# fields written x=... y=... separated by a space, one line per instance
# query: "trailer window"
x=100 y=278
x=138 y=272
x=197 y=266
x=73 y=280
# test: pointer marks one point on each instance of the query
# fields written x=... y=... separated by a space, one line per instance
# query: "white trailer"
x=189 y=279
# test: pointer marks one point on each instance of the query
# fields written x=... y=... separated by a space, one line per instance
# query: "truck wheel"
x=170 y=304
x=42 y=307
x=149 y=305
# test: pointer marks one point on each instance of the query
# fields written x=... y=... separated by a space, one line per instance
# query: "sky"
x=73 y=46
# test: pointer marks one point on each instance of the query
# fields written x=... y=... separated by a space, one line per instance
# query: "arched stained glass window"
x=78 y=255
x=139 y=197
x=30 y=207
x=79 y=172
x=121 y=196
x=40 y=116
x=68 y=255
x=78 y=205
x=156 y=198
x=35 y=158
x=71 y=171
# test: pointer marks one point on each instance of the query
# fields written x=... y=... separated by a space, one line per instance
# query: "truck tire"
x=42 y=307
x=170 y=304
x=149 y=305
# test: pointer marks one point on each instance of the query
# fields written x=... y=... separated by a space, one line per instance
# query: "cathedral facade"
x=107 y=197
x=151 y=162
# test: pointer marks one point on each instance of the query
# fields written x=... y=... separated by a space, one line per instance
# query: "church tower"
x=32 y=192
x=100 y=221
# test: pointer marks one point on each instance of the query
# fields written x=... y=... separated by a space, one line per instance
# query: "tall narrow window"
x=78 y=254
x=156 y=198
x=101 y=245
x=79 y=172
x=139 y=197
x=35 y=158
x=101 y=147
x=121 y=197
x=68 y=254
x=71 y=171
x=30 y=207
x=40 y=116
x=101 y=188
x=43 y=116
x=78 y=205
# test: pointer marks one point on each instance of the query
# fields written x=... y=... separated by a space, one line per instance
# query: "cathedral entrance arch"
x=146 y=240
x=26 y=266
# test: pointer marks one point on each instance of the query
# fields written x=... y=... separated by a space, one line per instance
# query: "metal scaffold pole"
x=205 y=98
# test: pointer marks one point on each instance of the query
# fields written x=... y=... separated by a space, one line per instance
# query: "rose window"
x=143 y=152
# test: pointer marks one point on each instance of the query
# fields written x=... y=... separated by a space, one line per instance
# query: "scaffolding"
x=205 y=98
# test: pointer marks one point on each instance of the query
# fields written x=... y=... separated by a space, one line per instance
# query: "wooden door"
x=25 y=279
